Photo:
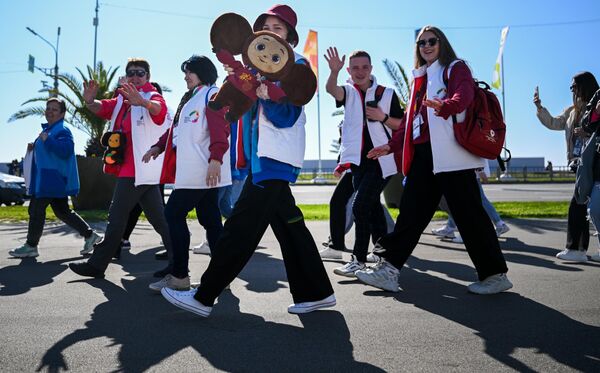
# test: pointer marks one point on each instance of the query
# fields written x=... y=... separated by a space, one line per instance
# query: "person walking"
x=435 y=164
x=582 y=87
x=139 y=112
x=267 y=199
x=52 y=180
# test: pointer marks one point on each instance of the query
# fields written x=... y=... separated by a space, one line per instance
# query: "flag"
x=496 y=81
x=311 y=51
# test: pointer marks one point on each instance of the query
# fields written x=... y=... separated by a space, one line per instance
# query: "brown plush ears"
x=300 y=84
x=230 y=32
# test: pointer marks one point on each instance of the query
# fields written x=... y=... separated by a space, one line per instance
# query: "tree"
x=400 y=79
x=78 y=115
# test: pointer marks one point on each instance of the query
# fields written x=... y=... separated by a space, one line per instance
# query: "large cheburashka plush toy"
x=115 y=147
x=268 y=55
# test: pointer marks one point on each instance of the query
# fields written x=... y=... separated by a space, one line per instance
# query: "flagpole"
x=319 y=172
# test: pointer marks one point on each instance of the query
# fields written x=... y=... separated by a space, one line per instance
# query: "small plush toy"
x=263 y=52
x=115 y=147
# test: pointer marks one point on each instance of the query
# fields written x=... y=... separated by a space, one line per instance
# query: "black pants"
x=268 y=203
x=135 y=213
x=60 y=206
x=181 y=202
x=366 y=208
x=125 y=197
x=337 y=211
x=419 y=201
x=578 y=227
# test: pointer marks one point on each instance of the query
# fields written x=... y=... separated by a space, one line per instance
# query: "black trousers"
x=337 y=211
x=60 y=206
x=268 y=203
x=578 y=227
x=135 y=213
x=419 y=201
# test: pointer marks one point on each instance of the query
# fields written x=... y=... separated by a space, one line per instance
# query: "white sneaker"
x=596 y=257
x=444 y=231
x=306 y=307
x=373 y=258
x=329 y=253
x=88 y=246
x=382 y=275
x=185 y=300
x=203 y=248
x=457 y=239
x=575 y=256
x=171 y=282
x=491 y=285
x=348 y=269
x=501 y=229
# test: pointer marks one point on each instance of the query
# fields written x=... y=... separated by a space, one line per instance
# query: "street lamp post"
x=55 y=48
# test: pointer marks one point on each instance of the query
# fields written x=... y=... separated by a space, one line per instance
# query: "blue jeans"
x=487 y=206
x=228 y=196
x=594 y=207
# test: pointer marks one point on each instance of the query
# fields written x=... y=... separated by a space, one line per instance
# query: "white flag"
x=496 y=81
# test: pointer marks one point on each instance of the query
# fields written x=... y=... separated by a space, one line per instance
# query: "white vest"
x=448 y=154
x=285 y=145
x=144 y=134
x=193 y=140
x=352 y=127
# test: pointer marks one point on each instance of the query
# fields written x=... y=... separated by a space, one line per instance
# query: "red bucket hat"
x=284 y=13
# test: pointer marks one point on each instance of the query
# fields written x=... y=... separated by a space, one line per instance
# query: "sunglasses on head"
x=139 y=73
x=431 y=41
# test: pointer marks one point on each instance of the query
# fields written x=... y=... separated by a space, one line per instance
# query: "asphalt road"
x=52 y=320
x=320 y=194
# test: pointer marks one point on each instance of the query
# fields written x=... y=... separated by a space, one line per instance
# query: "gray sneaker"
x=492 y=285
x=348 y=269
x=171 y=282
x=329 y=253
x=24 y=251
x=88 y=247
x=382 y=275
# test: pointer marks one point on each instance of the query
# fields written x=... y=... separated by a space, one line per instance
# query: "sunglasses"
x=431 y=41
x=573 y=88
x=139 y=73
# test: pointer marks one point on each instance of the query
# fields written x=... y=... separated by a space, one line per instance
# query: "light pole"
x=55 y=48
x=95 y=34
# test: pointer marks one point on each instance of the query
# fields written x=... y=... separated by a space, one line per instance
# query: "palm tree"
x=78 y=115
x=401 y=82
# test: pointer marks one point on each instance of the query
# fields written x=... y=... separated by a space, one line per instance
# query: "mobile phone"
x=537 y=90
x=371 y=103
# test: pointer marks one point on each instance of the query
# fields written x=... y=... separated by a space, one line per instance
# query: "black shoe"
x=161 y=255
x=85 y=269
x=163 y=272
x=117 y=254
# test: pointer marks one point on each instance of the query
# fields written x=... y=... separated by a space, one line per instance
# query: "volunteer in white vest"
x=371 y=112
x=435 y=165
x=277 y=152
x=197 y=162
x=140 y=113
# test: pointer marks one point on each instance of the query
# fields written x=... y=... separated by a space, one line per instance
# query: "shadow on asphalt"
x=28 y=273
x=505 y=322
x=149 y=330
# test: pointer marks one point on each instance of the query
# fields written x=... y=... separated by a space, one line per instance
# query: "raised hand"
x=333 y=59
x=90 y=90
x=131 y=94
x=536 y=98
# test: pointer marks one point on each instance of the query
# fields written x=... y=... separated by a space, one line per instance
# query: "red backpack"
x=483 y=131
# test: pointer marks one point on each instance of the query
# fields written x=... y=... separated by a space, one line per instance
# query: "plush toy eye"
x=260 y=47
x=275 y=58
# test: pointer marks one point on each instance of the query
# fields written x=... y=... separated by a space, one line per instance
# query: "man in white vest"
x=371 y=112
x=139 y=112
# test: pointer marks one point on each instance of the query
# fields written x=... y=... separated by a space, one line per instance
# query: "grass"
x=321 y=212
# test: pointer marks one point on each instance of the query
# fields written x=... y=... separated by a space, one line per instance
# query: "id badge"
x=417 y=126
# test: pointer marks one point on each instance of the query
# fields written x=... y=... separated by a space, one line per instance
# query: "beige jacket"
x=564 y=122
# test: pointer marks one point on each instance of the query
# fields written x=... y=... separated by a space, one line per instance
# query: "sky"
x=549 y=42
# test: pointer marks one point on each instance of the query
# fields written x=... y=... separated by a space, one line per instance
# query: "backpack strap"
x=446 y=79
x=378 y=95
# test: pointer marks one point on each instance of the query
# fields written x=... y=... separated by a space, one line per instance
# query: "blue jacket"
x=54 y=171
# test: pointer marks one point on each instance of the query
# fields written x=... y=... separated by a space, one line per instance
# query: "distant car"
x=12 y=190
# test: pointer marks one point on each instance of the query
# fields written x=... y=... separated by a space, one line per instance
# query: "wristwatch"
x=385 y=118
